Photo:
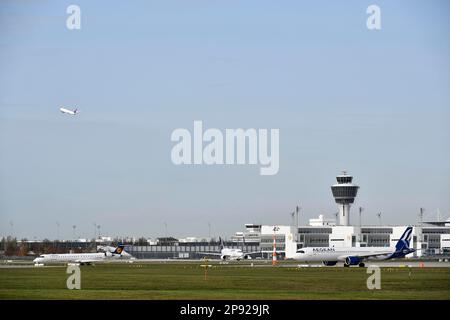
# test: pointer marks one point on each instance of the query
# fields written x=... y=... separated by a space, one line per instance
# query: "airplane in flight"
x=68 y=111
x=230 y=253
x=330 y=256
x=82 y=258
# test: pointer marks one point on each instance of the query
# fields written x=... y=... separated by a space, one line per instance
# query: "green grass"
x=186 y=281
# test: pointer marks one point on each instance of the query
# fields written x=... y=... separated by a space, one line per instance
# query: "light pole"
x=12 y=228
x=74 y=227
x=95 y=231
x=360 y=211
x=57 y=230
x=297 y=211
x=360 y=224
x=422 y=210
x=165 y=226
x=209 y=230
x=274 y=252
x=293 y=218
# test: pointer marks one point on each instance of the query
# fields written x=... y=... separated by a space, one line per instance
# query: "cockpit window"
x=300 y=251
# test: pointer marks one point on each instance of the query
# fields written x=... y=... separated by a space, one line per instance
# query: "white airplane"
x=230 y=253
x=330 y=256
x=81 y=258
x=123 y=255
x=67 y=111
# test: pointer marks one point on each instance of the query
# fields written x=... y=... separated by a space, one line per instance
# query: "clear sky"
x=376 y=103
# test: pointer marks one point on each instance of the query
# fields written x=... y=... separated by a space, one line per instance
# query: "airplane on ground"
x=230 y=253
x=67 y=111
x=330 y=256
x=82 y=258
x=123 y=255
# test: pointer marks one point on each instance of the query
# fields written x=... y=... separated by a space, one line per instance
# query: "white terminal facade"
x=432 y=237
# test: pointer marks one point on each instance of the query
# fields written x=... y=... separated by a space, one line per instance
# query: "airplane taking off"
x=230 y=253
x=67 y=111
x=81 y=258
x=356 y=255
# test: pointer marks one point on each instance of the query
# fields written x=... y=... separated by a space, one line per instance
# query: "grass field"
x=187 y=281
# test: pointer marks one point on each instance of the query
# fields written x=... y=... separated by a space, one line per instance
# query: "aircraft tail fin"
x=119 y=249
x=405 y=240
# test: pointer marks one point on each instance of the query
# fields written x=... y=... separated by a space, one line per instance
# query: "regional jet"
x=330 y=256
x=81 y=258
x=230 y=253
x=67 y=111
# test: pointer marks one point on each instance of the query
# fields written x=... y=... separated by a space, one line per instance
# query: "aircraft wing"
x=365 y=255
x=253 y=252
x=210 y=253
x=87 y=260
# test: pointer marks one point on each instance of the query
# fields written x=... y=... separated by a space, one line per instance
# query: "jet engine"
x=352 y=261
x=329 y=263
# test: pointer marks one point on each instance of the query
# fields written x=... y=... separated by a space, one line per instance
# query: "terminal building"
x=432 y=238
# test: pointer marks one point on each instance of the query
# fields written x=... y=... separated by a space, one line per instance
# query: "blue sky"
x=375 y=103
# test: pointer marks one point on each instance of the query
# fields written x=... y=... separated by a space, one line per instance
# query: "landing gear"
x=362 y=265
x=346 y=265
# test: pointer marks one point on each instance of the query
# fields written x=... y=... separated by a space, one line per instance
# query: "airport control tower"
x=344 y=192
